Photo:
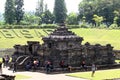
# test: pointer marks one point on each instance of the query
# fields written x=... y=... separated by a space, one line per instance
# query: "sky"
x=30 y=5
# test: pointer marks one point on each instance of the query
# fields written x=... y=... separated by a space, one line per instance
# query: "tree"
x=9 y=14
x=40 y=8
x=116 y=16
x=19 y=10
x=46 y=7
x=30 y=18
x=86 y=9
x=47 y=17
x=104 y=8
x=72 y=19
x=60 y=11
x=1 y=17
x=115 y=20
x=98 y=19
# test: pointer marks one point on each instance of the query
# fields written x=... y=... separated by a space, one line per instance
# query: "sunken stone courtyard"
x=63 y=45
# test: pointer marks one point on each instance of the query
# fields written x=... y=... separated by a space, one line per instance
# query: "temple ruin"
x=65 y=45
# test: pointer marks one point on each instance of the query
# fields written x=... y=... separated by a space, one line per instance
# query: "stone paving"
x=41 y=76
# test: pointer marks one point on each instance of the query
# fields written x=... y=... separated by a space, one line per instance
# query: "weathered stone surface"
x=65 y=45
x=25 y=54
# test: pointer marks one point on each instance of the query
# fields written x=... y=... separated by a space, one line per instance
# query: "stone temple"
x=65 y=45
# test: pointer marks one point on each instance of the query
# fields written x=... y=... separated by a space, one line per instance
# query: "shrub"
x=84 y=26
x=24 y=23
x=73 y=26
x=102 y=26
x=113 y=26
x=7 y=26
x=33 y=26
x=18 y=26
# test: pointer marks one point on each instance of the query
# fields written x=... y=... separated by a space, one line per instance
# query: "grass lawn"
x=101 y=36
x=10 y=37
x=20 y=77
x=99 y=75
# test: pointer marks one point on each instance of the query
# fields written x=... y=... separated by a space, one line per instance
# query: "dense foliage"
x=39 y=8
x=47 y=17
x=9 y=12
x=60 y=11
x=92 y=13
x=30 y=19
x=19 y=13
x=72 y=19
x=104 y=8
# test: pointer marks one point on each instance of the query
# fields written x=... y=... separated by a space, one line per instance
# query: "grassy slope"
x=101 y=36
x=10 y=42
x=93 y=36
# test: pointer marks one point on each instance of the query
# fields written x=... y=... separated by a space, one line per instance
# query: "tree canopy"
x=19 y=13
x=9 y=14
x=93 y=12
x=60 y=11
x=104 y=8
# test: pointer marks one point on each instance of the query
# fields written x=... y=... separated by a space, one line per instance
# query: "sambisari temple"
x=65 y=45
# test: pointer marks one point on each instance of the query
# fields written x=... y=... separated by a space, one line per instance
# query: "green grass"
x=99 y=75
x=20 y=77
x=101 y=36
x=8 y=37
x=117 y=61
x=0 y=59
x=21 y=38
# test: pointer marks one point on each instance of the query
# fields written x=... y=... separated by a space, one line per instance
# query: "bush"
x=17 y=26
x=24 y=23
x=113 y=26
x=32 y=26
x=6 y=26
x=102 y=26
x=73 y=26
x=84 y=26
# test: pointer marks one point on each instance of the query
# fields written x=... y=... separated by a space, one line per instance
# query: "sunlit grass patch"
x=20 y=77
x=117 y=61
x=93 y=36
x=99 y=75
